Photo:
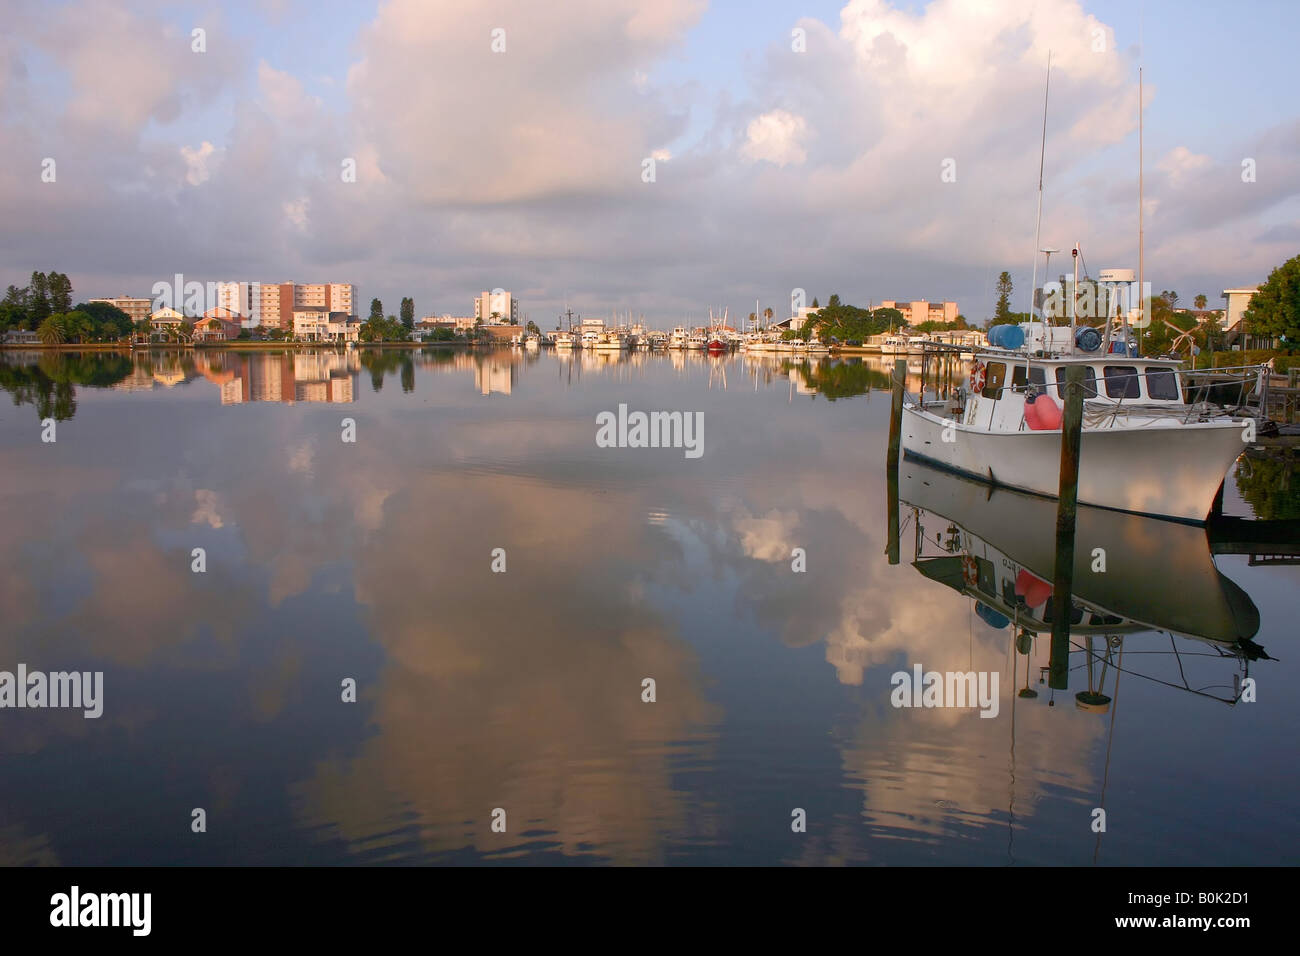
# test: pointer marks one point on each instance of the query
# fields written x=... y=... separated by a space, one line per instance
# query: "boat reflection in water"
x=1131 y=574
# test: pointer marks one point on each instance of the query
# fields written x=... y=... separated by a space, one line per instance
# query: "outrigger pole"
x=1038 y=226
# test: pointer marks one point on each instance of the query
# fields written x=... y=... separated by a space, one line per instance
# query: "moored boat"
x=1143 y=448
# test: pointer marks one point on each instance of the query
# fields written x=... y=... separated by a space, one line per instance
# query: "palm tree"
x=1200 y=302
x=50 y=332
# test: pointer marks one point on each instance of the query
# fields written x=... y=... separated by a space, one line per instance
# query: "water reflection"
x=1131 y=574
x=522 y=689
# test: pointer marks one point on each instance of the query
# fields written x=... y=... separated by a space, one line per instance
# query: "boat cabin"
x=999 y=404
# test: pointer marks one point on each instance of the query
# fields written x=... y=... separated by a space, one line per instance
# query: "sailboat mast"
x=1038 y=227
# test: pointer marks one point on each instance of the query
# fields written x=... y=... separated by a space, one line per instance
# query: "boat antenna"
x=1038 y=227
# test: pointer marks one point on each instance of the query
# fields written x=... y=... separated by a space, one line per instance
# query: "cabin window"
x=1018 y=378
x=1089 y=381
x=994 y=380
x=1122 y=381
x=1038 y=377
x=1162 y=383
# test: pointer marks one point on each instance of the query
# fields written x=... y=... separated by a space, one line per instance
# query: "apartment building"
x=271 y=305
x=137 y=309
x=921 y=310
x=497 y=307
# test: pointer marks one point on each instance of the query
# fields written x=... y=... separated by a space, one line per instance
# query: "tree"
x=767 y=315
x=60 y=291
x=832 y=302
x=1200 y=302
x=38 y=299
x=814 y=305
x=890 y=317
x=1274 y=310
x=407 y=312
x=1171 y=297
x=78 y=326
x=1002 y=311
x=532 y=327
x=376 y=310
x=50 y=331
x=108 y=321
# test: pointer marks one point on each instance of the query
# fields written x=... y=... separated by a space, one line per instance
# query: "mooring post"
x=891 y=466
x=1066 y=512
x=896 y=411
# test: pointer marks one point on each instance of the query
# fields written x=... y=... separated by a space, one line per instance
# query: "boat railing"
x=1199 y=382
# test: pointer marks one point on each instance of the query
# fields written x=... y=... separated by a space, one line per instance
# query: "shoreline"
x=229 y=344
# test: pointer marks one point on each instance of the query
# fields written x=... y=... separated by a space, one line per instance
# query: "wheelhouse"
x=1001 y=382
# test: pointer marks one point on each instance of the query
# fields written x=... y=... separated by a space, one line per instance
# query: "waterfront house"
x=168 y=325
x=217 y=325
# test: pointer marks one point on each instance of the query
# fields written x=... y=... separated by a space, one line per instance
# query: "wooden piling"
x=891 y=466
x=1066 y=514
x=896 y=411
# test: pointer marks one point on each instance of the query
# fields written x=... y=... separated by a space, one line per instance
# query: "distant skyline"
x=524 y=169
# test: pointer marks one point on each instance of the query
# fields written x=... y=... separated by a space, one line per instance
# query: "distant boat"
x=893 y=345
x=678 y=338
x=612 y=341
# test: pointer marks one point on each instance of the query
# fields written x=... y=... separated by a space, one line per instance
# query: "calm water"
x=522 y=690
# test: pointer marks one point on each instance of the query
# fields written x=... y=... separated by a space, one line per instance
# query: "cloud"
x=776 y=137
x=522 y=168
x=197 y=161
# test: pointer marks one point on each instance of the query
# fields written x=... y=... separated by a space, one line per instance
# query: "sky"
x=871 y=149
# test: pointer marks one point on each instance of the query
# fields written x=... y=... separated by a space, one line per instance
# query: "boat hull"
x=1168 y=472
x=1160 y=574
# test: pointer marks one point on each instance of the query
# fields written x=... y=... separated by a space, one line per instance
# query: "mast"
x=1142 y=288
x=1038 y=227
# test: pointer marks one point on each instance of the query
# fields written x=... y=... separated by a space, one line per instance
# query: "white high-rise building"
x=497 y=307
x=237 y=297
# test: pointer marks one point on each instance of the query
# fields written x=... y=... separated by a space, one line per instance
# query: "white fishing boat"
x=1144 y=448
x=532 y=342
x=916 y=344
x=792 y=345
x=612 y=340
x=562 y=339
x=677 y=340
x=697 y=340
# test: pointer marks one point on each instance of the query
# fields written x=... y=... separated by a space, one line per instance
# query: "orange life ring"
x=977 y=377
x=970 y=571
